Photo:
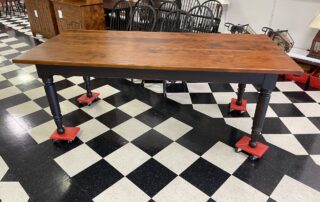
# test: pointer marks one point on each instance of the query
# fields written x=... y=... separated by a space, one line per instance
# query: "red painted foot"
x=258 y=152
x=69 y=135
x=85 y=100
x=240 y=108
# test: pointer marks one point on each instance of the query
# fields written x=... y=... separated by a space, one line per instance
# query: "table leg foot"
x=235 y=107
x=255 y=152
x=69 y=134
x=85 y=100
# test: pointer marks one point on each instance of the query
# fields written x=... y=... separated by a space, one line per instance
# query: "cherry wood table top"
x=163 y=51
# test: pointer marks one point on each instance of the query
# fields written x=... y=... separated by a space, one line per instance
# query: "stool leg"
x=54 y=103
x=164 y=88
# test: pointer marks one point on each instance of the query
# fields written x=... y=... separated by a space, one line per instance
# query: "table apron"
x=266 y=80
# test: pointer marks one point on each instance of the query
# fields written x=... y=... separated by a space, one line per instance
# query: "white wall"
x=294 y=15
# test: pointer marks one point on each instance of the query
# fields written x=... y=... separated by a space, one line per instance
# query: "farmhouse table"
x=245 y=59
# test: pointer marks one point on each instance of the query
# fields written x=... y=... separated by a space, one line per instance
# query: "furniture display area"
x=315 y=47
x=178 y=60
x=42 y=18
x=79 y=14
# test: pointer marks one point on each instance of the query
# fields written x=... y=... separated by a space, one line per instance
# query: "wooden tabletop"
x=163 y=51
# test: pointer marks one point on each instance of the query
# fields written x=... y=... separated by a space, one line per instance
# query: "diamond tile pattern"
x=136 y=146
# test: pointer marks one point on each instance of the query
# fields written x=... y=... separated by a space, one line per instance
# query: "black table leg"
x=164 y=88
x=241 y=90
x=260 y=114
x=54 y=103
x=88 y=86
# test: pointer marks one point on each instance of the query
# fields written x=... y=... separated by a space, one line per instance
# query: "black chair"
x=144 y=18
x=177 y=21
x=164 y=9
x=217 y=9
x=145 y=2
x=239 y=29
x=186 y=5
x=202 y=19
x=120 y=16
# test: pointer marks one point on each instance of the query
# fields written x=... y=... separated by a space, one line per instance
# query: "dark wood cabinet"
x=42 y=18
x=79 y=14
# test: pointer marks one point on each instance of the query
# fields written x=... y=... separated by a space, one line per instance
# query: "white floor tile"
x=299 y=125
x=243 y=124
x=182 y=98
x=35 y=93
x=309 y=109
x=76 y=79
x=71 y=92
x=173 y=128
x=236 y=190
x=2 y=78
x=65 y=106
x=286 y=142
x=123 y=190
x=291 y=190
x=3 y=168
x=288 y=86
x=134 y=107
x=155 y=87
x=78 y=159
x=29 y=69
x=279 y=97
x=131 y=129
x=251 y=108
x=127 y=158
x=224 y=157
x=24 y=109
x=8 y=92
x=199 y=88
x=8 y=68
x=19 y=45
x=106 y=91
x=11 y=39
x=314 y=95
x=43 y=132
x=8 y=52
x=180 y=190
x=21 y=79
x=12 y=191
x=91 y=129
x=211 y=110
x=315 y=158
x=176 y=157
x=224 y=98
x=98 y=108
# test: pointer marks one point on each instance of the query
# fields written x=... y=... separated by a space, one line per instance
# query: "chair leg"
x=142 y=83
x=165 y=88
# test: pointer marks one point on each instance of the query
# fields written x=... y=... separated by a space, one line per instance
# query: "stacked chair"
x=170 y=16
x=12 y=7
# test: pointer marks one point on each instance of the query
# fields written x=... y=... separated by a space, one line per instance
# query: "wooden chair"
x=120 y=16
x=186 y=5
x=145 y=2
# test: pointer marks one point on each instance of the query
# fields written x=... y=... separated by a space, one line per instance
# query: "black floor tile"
x=34 y=119
x=107 y=143
x=311 y=142
x=221 y=87
x=30 y=85
x=205 y=176
x=97 y=178
x=260 y=175
x=151 y=177
x=274 y=126
x=152 y=142
x=43 y=101
x=202 y=98
x=152 y=117
x=113 y=118
x=5 y=84
x=60 y=85
x=286 y=110
x=298 y=97
x=118 y=99
x=76 y=118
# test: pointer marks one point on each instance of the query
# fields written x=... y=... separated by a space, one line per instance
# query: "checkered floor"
x=135 y=145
